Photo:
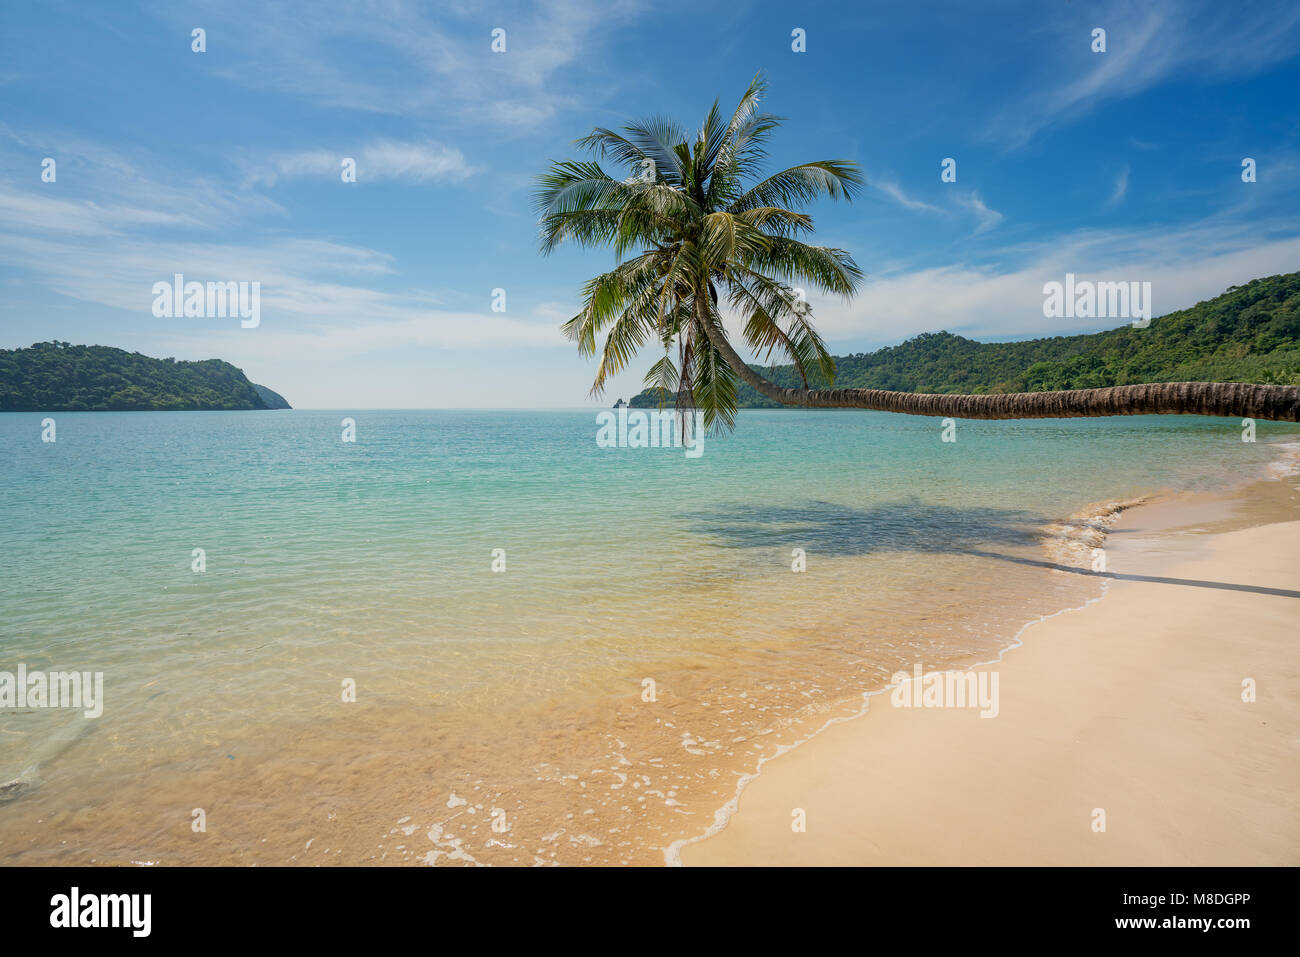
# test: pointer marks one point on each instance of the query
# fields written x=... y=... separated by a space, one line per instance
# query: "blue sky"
x=224 y=165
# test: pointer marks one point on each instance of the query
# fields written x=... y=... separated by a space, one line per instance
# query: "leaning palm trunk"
x=1279 y=403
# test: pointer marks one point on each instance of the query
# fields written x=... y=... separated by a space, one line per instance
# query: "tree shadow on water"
x=828 y=528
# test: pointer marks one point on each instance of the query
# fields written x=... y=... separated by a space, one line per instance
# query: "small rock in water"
x=12 y=790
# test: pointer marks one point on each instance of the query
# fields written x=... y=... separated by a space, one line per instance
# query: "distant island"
x=1250 y=333
x=61 y=377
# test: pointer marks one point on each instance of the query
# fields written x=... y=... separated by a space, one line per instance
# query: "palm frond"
x=800 y=185
x=823 y=267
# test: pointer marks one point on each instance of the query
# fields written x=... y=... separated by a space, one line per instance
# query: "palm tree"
x=701 y=223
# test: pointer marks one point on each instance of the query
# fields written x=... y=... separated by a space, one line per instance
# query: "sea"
x=484 y=637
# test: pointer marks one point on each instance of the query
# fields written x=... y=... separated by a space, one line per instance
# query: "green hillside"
x=1251 y=333
x=60 y=377
x=270 y=398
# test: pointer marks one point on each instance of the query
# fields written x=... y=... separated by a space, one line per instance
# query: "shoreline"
x=673 y=853
x=844 y=775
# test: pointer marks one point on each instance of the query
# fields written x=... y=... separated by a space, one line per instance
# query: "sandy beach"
x=1131 y=706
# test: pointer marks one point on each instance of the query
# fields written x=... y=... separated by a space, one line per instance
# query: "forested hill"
x=272 y=400
x=1251 y=333
x=59 y=377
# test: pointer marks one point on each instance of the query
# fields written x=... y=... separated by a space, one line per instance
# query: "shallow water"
x=521 y=692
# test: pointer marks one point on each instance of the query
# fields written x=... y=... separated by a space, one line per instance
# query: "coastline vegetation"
x=61 y=377
x=1250 y=333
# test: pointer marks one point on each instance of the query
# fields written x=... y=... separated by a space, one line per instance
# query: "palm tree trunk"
x=1280 y=403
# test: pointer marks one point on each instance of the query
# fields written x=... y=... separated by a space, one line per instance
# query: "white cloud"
x=895 y=192
x=1121 y=188
x=1147 y=44
x=308 y=308
x=318 y=298
x=413 y=59
x=125 y=195
x=1184 y=266
x=382 y=160
x=970 y=202
x=31 y=210
x=986 y=218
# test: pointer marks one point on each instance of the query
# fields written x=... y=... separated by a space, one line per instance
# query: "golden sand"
x=1128 y=712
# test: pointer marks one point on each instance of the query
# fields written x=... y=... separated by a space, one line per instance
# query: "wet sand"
x=1131 y=706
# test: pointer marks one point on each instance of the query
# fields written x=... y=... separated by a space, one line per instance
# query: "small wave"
x=13 y=790
x=1288 y=462
x=1072 y=540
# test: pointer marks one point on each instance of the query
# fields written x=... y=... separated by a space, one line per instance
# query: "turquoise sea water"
x=372 y=562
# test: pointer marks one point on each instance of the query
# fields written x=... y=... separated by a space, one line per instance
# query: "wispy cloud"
x=381 y=160
x=148 y=221
x=317 y=298
x=1121 y=189
x=958 y=201
x=895 y=192
x=1147 y=44
x=985 y=217
x=411 y=59
x=101 y=192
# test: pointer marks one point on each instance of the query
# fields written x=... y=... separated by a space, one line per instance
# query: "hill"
x=270 y=398
x=1250 y=333
x=60 y=377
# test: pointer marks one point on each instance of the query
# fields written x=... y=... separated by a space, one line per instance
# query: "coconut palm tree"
x=696 y=223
